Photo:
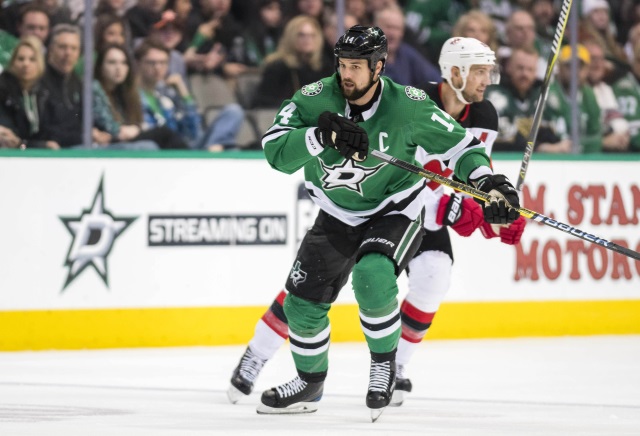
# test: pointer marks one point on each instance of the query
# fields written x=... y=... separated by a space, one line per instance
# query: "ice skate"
x=403 y=387
x=296 y=396
x=244 y=376
x=382 y=381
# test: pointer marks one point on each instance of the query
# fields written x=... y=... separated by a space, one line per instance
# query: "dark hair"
x=102 y=23
x=149 y=44
x=32 y=7
x=125 y=99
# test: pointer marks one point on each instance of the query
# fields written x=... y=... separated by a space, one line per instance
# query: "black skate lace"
x=251 y=365
x=379 y=376
x=291 y=388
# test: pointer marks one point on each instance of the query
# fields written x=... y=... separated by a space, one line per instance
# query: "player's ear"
x=455 y=72
x=379 y=66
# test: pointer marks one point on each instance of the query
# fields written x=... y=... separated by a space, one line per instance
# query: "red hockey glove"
x=512 y=233
x=509 y=234
x=489 y=230
x=463 y=215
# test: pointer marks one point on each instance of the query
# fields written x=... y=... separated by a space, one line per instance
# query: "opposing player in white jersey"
x=468 y=67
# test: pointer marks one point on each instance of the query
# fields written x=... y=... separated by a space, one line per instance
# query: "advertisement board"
x=103 y=237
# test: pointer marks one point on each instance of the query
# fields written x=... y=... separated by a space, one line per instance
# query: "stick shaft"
x=544 y=92
x=527 y=213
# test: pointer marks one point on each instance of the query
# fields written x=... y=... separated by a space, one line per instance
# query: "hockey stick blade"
x=544 y=92
x=527 y=213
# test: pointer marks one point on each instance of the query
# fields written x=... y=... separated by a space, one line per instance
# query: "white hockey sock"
x=265 y=341
x=405 y=352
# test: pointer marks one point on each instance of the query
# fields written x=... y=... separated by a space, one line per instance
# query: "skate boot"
x=296 y=396
x=403 y=387
x=244 y=376
x=382 y=381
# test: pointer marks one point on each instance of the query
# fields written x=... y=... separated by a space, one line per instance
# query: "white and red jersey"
x=480 y=119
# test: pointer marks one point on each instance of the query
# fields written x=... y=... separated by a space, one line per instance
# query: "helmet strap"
x=458 y=91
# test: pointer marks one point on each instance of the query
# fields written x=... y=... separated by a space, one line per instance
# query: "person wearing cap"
x=169 y=31
x=558 y=108
x=596 y=24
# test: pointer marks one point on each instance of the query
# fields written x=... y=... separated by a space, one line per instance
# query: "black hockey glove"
x=498 y=186
x=344 y=135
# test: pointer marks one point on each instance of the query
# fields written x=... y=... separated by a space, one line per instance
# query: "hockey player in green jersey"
x=370 y=218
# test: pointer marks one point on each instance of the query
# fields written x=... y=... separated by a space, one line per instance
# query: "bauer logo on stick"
x=312 y=89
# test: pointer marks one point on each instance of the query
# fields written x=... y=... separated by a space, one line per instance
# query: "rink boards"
x=99 y=251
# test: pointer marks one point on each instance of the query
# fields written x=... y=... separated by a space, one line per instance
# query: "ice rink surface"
x=556 y=386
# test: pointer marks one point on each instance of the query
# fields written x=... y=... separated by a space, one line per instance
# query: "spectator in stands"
x=112 y=7
x=330 y=33
x=558 y=108
x=476 y=24
x=169 y=31
x=596 y=24
x=117 y=108
x=515 y=101
x=108 y=29
x=431 y=22
x=166 y=102
x=358 y=9
x=32 y=20
x=310 y=8
x=633 y=40
x=22 y=99
x=143 y=16
x=404 y=64
x=500 y=11
x=58 y=11
x=182 y=10
x=615 y=127
x=545 y=18
x=521 y=33
x=218 y=45
x=264 y=31
x=111 y=29
x=627 y=92
x=62 y=118
x=297 y=62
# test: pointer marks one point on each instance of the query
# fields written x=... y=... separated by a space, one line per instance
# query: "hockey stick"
x=544 y=92
x=532 y=215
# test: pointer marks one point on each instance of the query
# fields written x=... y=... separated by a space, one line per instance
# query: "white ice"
x=553 y=386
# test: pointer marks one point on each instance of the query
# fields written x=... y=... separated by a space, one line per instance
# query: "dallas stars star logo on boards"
x=93 y=234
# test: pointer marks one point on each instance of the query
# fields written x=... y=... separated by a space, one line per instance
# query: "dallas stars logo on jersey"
x=347 y=175
x=415 y=93
x=312 y=89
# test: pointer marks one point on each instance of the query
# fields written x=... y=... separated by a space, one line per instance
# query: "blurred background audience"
x=231 y=63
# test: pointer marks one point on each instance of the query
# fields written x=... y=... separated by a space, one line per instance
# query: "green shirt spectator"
x=558 y=108
x=627 y=92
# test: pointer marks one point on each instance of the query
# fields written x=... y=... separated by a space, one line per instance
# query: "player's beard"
x=472 y=97
x=355 y=93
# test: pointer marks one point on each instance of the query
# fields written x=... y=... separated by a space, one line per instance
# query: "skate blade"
x=397 y=398
x=293 y=409
x=375 y=414
x=234 y=395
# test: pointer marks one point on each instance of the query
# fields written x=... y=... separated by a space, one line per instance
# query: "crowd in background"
x=206 y=74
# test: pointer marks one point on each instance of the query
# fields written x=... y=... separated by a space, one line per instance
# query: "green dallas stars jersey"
x=403 y=122
x=627 y=92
